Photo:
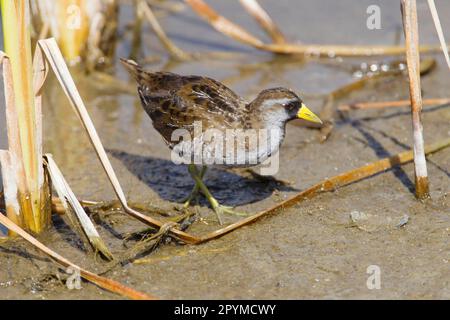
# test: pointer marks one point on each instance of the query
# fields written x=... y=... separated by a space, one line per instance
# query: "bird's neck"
x=269 y=113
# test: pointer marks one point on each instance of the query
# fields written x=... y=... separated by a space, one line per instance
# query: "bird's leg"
x=196 y=189
x=218 y=208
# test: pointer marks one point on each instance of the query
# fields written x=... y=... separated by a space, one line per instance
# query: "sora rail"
x=175 y=102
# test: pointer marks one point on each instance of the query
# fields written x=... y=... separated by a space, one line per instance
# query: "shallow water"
x=310 y=251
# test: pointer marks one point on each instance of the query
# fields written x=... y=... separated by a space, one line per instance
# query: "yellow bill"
x=305 y=113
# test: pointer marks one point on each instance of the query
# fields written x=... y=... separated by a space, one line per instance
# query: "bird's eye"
x=292 y=105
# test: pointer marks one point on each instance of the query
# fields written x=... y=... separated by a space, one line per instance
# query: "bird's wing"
x=191 y=99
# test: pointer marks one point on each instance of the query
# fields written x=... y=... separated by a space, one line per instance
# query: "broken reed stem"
x=264 y=20
x=238 y=33
x=390 y=104
x=331 y=184
x=100 y=281
x=410 y=25
x=24 y=117
x=77 y=216
x=56 y=61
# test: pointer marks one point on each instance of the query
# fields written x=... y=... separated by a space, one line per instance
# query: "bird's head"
x=282 y=105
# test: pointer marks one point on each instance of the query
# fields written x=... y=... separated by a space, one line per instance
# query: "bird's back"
x=179 y=102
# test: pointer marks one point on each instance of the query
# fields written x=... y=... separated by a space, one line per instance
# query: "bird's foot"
x=193 y=196
x=220 y=210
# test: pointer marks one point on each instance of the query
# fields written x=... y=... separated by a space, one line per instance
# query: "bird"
x=179 y=104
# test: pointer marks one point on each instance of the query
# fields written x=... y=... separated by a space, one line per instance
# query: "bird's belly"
x=226 y=152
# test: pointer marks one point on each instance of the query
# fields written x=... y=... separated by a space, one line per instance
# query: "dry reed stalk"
x=410 y=25
x=390 y=104
x=173 y=50
x=103 y=26
x=236 y=32
x=100 y=281
x=84 y=29
x=55 y=59
x=328 y=185
x=263 y=18
x=73 y=28
x=9 y=167
x=72 y=206
x=44 y=31
x=24 y=117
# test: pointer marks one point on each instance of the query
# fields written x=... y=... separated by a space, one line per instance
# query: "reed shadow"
x=381 y=153
x=390 y=115
x=23 y=253
x=67 y=233
x=406 y=147
x=173 y=182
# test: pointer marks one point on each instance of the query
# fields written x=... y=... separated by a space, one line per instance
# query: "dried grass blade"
x=341 y=50
x=331 y=184
x=71 y=204
x=59 y=67
x=100 y=281
x=390 y=104
x=263 y=18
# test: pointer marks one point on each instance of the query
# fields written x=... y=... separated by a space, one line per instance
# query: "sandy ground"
x=313 y=250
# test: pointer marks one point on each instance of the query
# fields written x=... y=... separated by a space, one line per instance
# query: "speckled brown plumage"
x=173 y=102
x=178 y=102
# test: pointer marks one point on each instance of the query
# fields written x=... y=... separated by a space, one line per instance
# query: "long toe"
x=230 y=210
x=221 y=210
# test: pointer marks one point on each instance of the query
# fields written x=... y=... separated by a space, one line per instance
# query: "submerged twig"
x=238 y=33
x=331 y=184
x=147 y=244
x=410 y=25
x=390 y=104
x=328 y=109
x=100 y=281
